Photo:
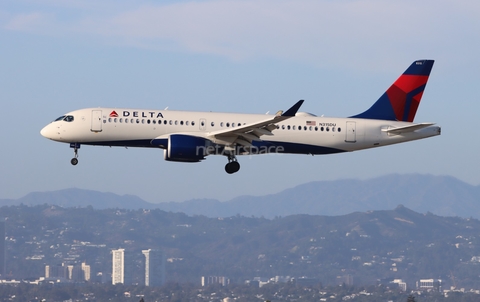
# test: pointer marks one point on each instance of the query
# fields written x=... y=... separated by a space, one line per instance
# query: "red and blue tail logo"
x=400 y=102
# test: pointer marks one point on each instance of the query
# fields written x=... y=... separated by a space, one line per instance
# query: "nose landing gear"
x=74 y=160
x=233 y=165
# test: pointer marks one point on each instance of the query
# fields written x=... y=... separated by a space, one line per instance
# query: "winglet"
x=293 y=110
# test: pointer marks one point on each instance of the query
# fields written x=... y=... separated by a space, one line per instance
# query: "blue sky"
x=230 y=56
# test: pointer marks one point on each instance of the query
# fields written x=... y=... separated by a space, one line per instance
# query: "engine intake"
x=186 y=148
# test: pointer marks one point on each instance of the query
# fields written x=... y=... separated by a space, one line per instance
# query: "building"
x=56 y=271
x=430 y=285
x=2 y=248
x=86 y=271
x=121 y=267
x=402 y=285
x=78 y=273
x=215 y=280
x=154 y=267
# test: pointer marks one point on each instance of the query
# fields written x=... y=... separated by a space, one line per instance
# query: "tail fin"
x=401 y=100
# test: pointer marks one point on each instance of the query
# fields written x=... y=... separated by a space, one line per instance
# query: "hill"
x=440 y=195
x=389 y=244
x=74 y=197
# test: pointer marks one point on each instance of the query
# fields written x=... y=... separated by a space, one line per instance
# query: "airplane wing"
x=245 y=134
x=406 y=129
x=242 y=135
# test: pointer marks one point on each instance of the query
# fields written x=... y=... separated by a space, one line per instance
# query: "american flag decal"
x=311 y=123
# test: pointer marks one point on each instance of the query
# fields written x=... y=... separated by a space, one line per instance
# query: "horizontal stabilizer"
x=406 y=129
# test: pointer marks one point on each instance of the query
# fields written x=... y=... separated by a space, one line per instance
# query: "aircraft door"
x=351 y=134
x=202 y=124
x=96 y=121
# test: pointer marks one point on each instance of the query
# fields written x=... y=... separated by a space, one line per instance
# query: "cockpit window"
x=68 y=118
x=60 y=118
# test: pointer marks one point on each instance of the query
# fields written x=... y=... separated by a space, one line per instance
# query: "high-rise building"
x=86 y=271
x=121 y=267
x=75 y=273
x=2 y=247
x=215 y=280
x=68 y=272
x=154 y=267
x=56 y=271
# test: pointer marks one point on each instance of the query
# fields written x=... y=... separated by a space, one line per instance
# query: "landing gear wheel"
x=232 y=167
x=74 y=160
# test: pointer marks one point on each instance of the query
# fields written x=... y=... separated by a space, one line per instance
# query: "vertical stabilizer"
x=400 y=102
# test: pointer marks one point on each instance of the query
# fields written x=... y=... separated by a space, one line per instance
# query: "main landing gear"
x=74 y=160
x=233 y=165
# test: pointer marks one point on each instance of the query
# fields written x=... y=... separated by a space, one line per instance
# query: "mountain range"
x=440 y=195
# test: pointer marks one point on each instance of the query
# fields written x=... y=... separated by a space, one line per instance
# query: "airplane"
x=187 y=136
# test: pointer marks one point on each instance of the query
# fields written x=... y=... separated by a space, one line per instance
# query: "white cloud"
x=30 y=22
x=314 y=32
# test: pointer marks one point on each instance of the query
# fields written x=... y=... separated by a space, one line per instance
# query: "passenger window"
x=176 y=122
x=339 y=129
x=109 y=119
x=228 y=124
x=288 y=127
x=131 y=120
x=170 y=122
x=328 y=129
x=212 y=123
x=148 y=121
x=115 y=120
x=293 y=127
x=239 y=124
x=283 y=127
x=181 y=123
x=121 y=120
x=221 y=124
x=193 y=123
x=202 y=123
x=316 y=128
x=186 y=123
x=138 y=121
x=154 y=121
x=233 y=124
x=126 y=121
x=321 y=129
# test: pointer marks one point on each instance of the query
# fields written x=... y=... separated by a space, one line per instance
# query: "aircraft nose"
x=47 y=131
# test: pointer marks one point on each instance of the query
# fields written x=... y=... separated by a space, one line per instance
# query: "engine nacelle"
x=186 y=148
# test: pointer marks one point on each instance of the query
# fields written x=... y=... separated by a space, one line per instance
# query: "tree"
x=411 y=298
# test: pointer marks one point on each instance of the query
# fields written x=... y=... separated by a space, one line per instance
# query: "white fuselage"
x=302 y=134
